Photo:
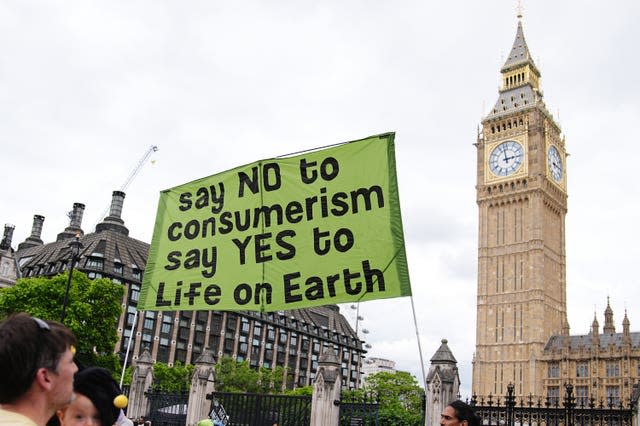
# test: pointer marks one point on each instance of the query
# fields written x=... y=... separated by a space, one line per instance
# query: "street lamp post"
x=75 y=247
x=359 y=318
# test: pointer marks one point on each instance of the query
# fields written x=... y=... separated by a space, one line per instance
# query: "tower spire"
x=609 y=327
x=520 y=81
x=519 y=10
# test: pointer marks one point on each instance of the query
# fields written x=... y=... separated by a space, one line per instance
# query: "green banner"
x=319 y=228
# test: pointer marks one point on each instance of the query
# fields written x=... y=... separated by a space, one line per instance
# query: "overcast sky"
x=86 y=87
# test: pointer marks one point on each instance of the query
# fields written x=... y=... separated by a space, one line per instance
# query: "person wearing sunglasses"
x=36 y=369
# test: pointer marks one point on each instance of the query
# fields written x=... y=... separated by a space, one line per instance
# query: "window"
x=95 y=263
x=231 y=323
x=146 y=338
x=4 y=271
x=216 y=323
x=228 y=345
x=255 y=354
x=582 y=396
x=183 y=333
x=135 y=292
x=24 y=260
x=613 y=395
x=553 y=395
x=613 y=369
x=268 y=358
x=118 y=268
x=582 y=369
x=137 y=274
x=148 y=324
x=166 y=328
x=553 y=370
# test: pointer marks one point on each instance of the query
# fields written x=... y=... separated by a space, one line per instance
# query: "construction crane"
x=136 y=169
x=132 y=175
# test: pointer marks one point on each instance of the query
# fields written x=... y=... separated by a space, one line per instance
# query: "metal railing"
x=263 y=409
x=359 y=410
x=551 y=412
x=167 y=408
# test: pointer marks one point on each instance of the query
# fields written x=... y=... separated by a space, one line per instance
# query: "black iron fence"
x=167 y=408
x=359 y=409
x=551 y=412
x=262 y=409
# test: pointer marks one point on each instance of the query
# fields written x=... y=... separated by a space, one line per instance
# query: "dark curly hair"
x=465 y=412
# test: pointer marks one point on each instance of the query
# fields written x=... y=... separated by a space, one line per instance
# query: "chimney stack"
x=8 y=235
x=114 y=221
x=117 y=201
x=76 y=215
x=75 y=224
x=36 y=231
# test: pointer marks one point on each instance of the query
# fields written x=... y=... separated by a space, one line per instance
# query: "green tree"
x=302 y=391
x=401 y=398
x=234 y=376
x=128 y=375
x=174 y=378
x=92 y=312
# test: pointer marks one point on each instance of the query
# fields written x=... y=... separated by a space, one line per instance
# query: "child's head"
x=95 y=391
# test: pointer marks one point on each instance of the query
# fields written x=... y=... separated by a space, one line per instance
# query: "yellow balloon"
x=120 y=401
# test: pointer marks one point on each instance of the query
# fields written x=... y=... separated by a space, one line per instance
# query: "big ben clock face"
x=554 y=163
x=506 y=158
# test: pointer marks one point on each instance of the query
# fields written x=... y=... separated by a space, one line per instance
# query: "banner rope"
x=319 y=148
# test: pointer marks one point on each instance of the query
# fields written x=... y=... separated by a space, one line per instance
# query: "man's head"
x=459 y=413
x=36 y=352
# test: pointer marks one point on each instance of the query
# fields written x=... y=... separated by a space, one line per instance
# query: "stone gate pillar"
x=141 y=381
x=326 y=391
x=202 y=384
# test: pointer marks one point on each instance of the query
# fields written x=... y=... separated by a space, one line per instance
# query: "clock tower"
x=522 y=203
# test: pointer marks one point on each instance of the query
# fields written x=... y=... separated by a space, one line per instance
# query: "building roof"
x=516 y=99
x=525 y=93
x=519 y=54
x=607 y=338
x=116 y=250
x=586 y=341
x=443 y=354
